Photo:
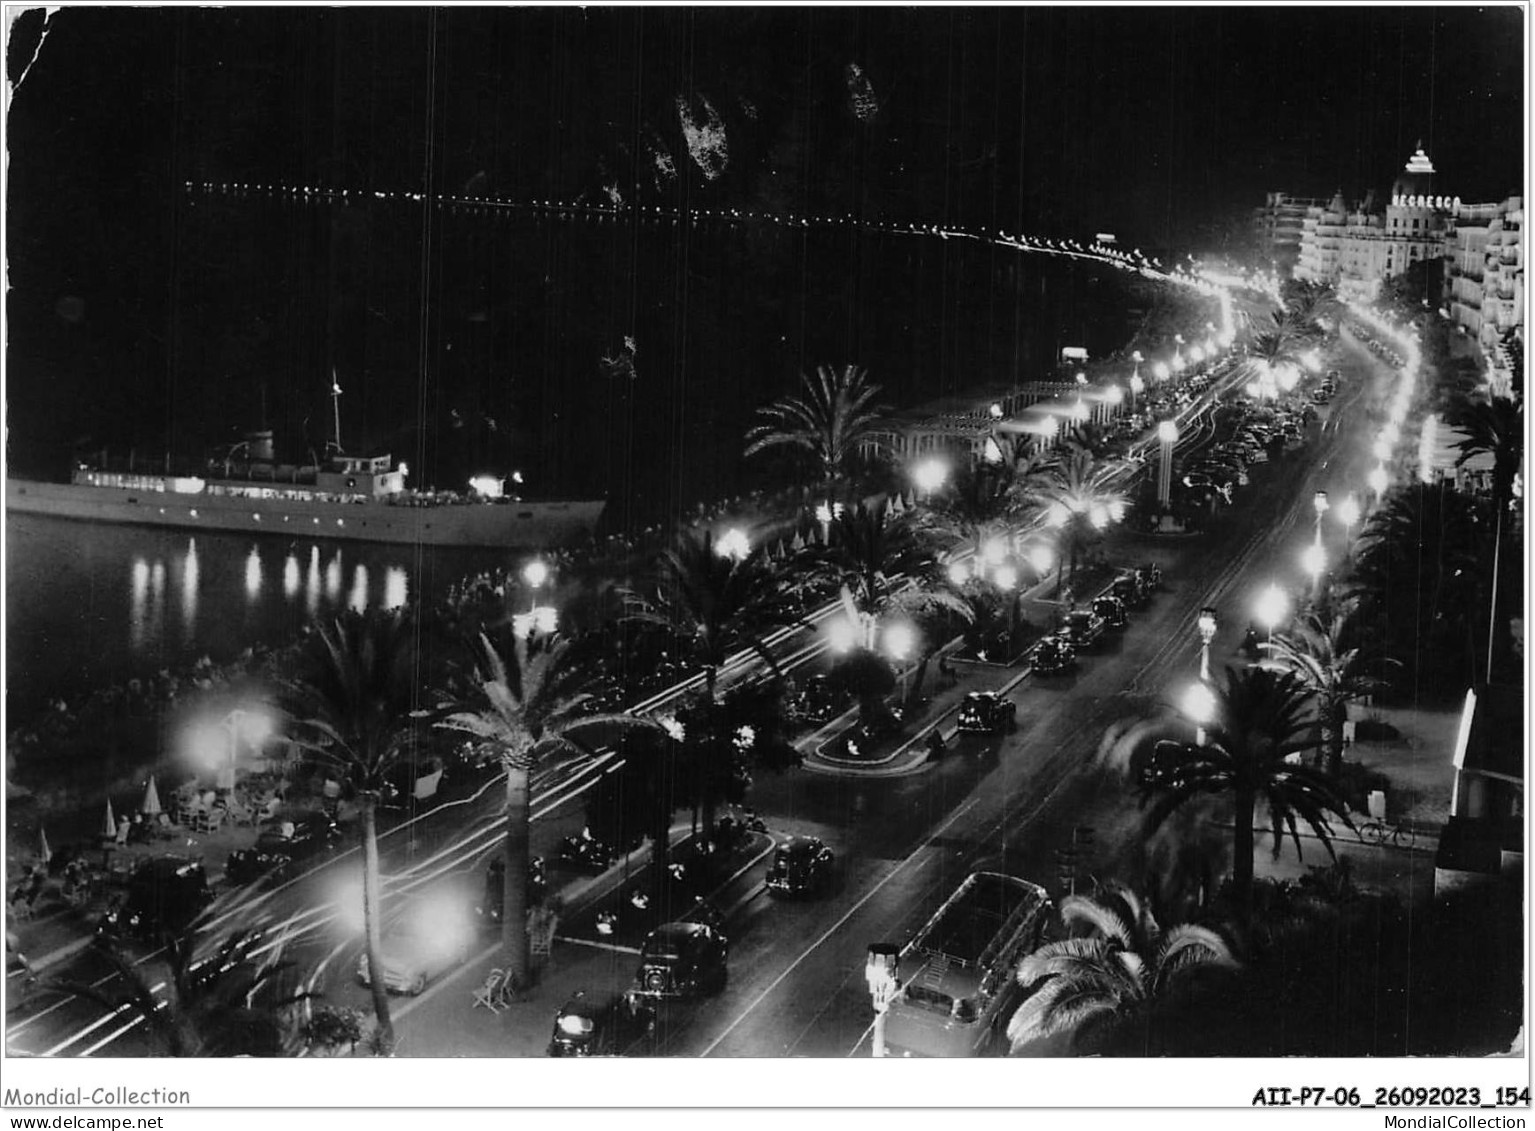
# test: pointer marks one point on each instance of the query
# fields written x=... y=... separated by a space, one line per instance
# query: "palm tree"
x=521 y=712
x=1116 y=973
x=1273 y=348
x=1493 y=426
x=356 y=699
x=1081 y=496
x=885 y=571
x=1315 y=650
x=227 y=1001
x=717 y=605
x=834 y=418
x=1259 y=718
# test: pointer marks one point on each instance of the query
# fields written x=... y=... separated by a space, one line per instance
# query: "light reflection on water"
x=87 y=605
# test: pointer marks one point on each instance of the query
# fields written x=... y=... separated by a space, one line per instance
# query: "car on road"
x=1111 y=610
x=583 y=1028
x=165 y=895
x=1130 y=589
x=986 y=712
x=821 y=700
x=1155 y=768
x=1054 y=656
x=417 y=948
x=282 y=846
x=1081 y=628
x=802 y=865
x=681 y=960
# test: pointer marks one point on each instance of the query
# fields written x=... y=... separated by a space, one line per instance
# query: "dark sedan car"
x=681 y=960
x=821 y=700
x=986 y=712
x=282 y=846
x=802 y=865
x=1131 y=590
x=165 y=895
x=1081 y=628
x=1111 y=610
x=1054 y=656
x=583 y=1028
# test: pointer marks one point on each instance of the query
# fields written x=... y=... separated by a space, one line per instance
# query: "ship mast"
x=335 y=400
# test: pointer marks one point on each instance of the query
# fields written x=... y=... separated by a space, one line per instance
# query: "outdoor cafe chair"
x=492 y=994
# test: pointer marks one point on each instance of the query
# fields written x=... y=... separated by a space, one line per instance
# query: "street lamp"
x=1160 y=371
x=733 y=544
x=1006 y=577
x=252 y=726
x=535 y=573
x=1348 y=514
x=1273 y=606
x=881 y=971
x=959 y=573
x=1320 y=505
x=1378 y=482
x=929 y=476
x=1206 y=634
x=1167 y=433
x=1314 y=559
x=1199 y=705
x=899 y=639
x=1137 y=387
x=1042 y=558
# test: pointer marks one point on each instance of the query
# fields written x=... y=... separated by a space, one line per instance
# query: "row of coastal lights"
x=1132 y=260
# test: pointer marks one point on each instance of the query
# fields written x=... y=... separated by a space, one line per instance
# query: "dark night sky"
x=1162 y=125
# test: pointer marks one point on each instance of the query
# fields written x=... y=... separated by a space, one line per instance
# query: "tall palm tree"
x=1116 y=972
x=717 y=605
x=1081 y=496
x=356 y=699
x=1260 y=718
x=835 y=416
x=521 y=711
x=226 y=1000
x=1273 y=348
x=1316 y=650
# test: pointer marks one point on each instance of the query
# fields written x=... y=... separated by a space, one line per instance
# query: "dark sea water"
x=503 y=368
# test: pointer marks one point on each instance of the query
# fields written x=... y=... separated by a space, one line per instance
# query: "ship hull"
x=512 y=525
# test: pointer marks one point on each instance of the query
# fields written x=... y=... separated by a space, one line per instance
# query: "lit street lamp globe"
x=1199 y=703
x=535 y=573
x=929 y=475
x=899 y=640
x=1042 y=558
x=959 y=573
x=1273 y=606
x=1314 y=559
x=1378 y=481
x=733 y=544
x=842 y=635
x=1167 y=432
x=1160 y=371
x=1348 y=511
x=1006 y=577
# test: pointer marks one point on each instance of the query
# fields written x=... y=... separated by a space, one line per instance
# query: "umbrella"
x=150 y=806
x=44 y=853
x=109 y=827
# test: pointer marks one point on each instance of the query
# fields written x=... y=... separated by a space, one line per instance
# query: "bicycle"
x=1383 y=833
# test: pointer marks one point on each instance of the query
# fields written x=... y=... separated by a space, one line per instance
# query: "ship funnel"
x=260 y=445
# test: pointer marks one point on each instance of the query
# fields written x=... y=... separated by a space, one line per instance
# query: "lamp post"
x=1206 y=634
x=882 y=972
x=733 y=543
x=253 y=726
x=1348 y=514
x=1320 y=504
x=1137 y=387
x=535 y=573
x=1135 y=372
x=899 y=639
x=1378 y=482
x=1114 y=396
x=1314 y=559
x=929 y=476
x=1167 y=432
x=1272 y=608
x=1199 y=705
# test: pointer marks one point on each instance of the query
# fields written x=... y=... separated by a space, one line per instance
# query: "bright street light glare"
x=842 y=635
x=1378 y=480
x=733 y=544
x=1006 y=577
x=1199 y=703
x=929 y=475
x=1042 y=558
x=1272 y=606
x=994 y=551
x=959 y=573
x=899 y=639
x=1348 y=511
x=1314 y=559
x=535 y=573
x=1167 y=432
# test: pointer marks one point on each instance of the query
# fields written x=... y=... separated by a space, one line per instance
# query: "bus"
x=956 y=974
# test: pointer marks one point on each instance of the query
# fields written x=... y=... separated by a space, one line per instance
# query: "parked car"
x=1082 y=628
x=279 y=848
x=417 y=948
x=821 y=700
x=1054 y=656
x=165 y=894
x=583 y=1028
x=1111 y=610
x=1155 y=767
x=1150 y=575
x=681 y=960
x=1131 y=590
x=490 y=906
x=986 y=712
x=802 y=865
